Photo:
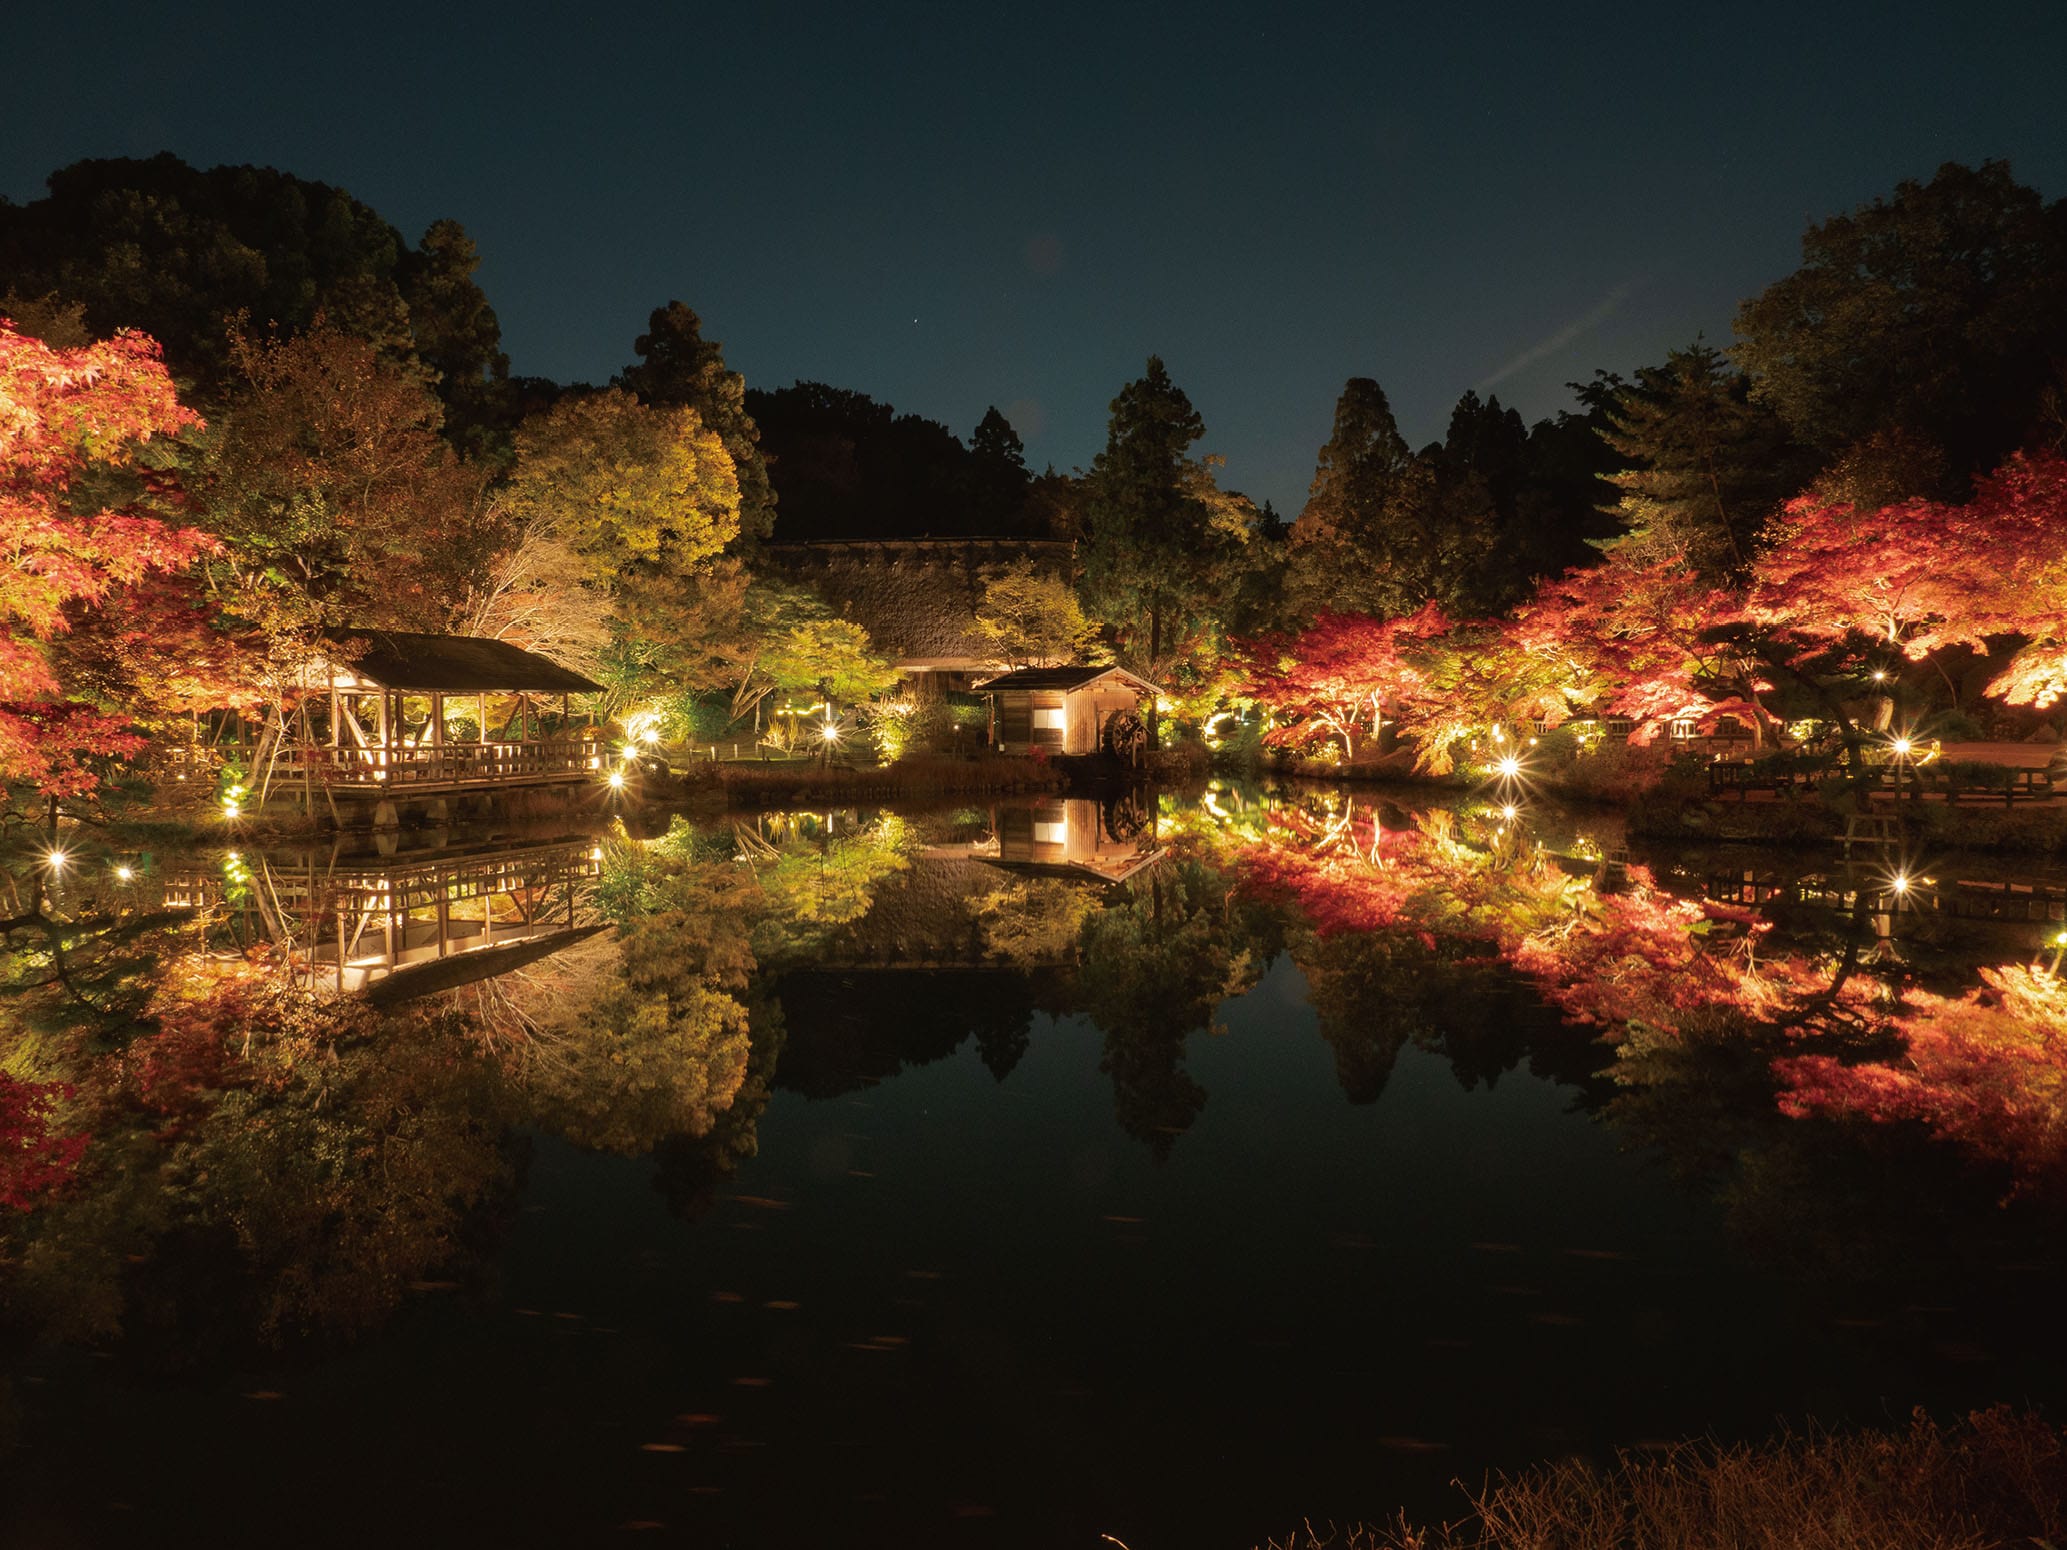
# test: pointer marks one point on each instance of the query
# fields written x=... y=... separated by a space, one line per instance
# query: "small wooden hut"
x=1070 y=710
x=389 y=713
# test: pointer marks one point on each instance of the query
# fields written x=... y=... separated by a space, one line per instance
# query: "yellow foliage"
x=625 y=486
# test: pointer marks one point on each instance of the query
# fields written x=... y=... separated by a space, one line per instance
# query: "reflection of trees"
x=854 y=1029
x=263 y=1163
x=813 y=883
x=1031 y=922
x=1158 y=961
x=688 y=1169
x=1373 y=993
x=626 y=1040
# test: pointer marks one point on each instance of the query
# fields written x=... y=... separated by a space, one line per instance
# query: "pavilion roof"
x=464 y=664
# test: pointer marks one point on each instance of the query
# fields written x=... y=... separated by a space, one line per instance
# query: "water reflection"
x=232 y=1133
x=363 y=914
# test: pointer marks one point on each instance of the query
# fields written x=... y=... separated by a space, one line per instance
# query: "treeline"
x=349 y=448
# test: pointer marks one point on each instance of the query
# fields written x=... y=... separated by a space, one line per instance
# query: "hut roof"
x=1064 y=678
x=916 y=597
x=466 y=664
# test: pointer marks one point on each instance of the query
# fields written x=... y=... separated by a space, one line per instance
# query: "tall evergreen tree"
x=679 y=368
x=456 y=332
x=1708 y=465
x=1161 y=549
x=997 y=466
x=1380 y=533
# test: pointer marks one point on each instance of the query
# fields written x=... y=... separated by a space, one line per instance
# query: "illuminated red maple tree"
x=83 y=516
x=1636 y=637
x=1922 y=576
x=35 y=1159
x=1343 y=675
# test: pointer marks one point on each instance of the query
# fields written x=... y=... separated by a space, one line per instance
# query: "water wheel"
x=1125 y=737
x=1124 y=819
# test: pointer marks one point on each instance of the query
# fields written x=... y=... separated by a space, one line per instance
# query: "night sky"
x=957 y=205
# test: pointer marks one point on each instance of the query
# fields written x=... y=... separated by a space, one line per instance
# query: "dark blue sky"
x=955 y=205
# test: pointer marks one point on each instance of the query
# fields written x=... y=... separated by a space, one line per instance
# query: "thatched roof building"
x=449 y=664
x=916 y=597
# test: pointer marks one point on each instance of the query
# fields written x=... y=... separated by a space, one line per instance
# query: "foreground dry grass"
x=1996 y=1480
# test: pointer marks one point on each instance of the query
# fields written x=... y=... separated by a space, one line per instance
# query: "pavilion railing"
x=452 y=764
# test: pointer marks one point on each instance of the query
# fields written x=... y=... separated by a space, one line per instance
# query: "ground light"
x=615 y=780
x=1509 y=767
x=57 y=859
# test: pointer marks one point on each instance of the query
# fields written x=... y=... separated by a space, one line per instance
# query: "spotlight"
x=1509 y=767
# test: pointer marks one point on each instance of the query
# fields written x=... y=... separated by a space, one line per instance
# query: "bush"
x=1996 y=1479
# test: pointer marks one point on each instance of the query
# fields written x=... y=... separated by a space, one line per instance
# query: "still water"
x=1075 y=1186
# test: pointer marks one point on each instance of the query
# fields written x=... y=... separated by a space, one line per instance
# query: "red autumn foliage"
x=1344 y=675
x=69 y=419
x=35 y=1160
x=1632 y=638
x=1987 y=1071
x=1923 y=574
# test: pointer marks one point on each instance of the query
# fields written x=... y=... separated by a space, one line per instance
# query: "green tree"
x=456 y=333
x=1030 y=617
x=182 y=253
x=679 y=368
x=622 y=512
x=1708 y=464
x=1381 y=533
x=1936 y=313
x=1162 y=549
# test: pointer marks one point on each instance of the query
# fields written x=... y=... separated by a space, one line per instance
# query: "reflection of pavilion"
x=1075 y=836
x=351 y=922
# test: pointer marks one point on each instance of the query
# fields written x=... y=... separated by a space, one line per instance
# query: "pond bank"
x=1667 y=809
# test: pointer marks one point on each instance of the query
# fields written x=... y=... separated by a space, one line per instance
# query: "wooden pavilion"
x=385 y=714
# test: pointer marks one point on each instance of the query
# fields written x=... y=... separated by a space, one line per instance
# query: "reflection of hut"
x=1074 y=835
x=385 y=713
x=1069 y=710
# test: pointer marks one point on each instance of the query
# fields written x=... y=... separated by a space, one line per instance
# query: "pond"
x=1171 y=1169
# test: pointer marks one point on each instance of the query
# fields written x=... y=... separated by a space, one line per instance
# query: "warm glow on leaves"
x=74 y=422
x=1345 y=675
x=35 y=1158
x=1987 y=1071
